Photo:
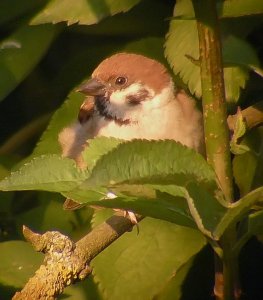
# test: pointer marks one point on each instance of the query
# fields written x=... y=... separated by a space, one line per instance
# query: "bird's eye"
x=121 y=80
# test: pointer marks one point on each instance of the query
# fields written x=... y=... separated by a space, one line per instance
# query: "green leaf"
x=18 y=263
x=238 y=149
x=225 y=9
x=81 y=11
x=206 y=210
x=49 y=173
x=191 y=281
x=97 y=147
x=239 y=131
x=3 y=172
x=239 y=8
x=16 y=63
x=141 y=162
x=182 y=48
x=232 y=54
x=173 y=289
x=240 y=209
x=142 y=181
x=182 y=40
x=244 y=167
x=138 y=266
x=248 y=167
x=139 y=21
x=165 y=207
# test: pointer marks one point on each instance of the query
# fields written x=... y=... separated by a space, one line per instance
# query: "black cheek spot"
x=133 y=100
x=142 y=95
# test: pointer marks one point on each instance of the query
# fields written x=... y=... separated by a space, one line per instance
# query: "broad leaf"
x=81 y=11
x=191 y=280
x=138 y=266
x=139 y=162
x=240 y=8
x=18 y=263
x=140 y=21
x=206 y=210
x=225 y=9
x=98 y=147
x=248 y=167
x=49 y=173
x=240 y=209
x=30 y=44
x=233 y=56
x=165 y=207
x=182 y=52
x=134 y=172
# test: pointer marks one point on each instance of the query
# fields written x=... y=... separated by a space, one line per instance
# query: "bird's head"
x=126 y=86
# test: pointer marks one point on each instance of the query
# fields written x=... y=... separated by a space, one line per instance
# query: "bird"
x=131 y=96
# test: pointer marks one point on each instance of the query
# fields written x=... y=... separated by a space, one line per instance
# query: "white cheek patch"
x=118 y=97
x=119 y=105
x=165 y=96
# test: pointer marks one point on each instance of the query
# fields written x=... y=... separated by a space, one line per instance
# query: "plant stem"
x=214 y=107
x=217 y=135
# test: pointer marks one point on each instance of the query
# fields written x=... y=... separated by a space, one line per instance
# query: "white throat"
x=119 y=105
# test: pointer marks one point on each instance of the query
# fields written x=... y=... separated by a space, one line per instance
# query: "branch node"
x=33 y=238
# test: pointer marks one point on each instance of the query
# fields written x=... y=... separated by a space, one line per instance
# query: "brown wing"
x=86 y=110
x=71 y=205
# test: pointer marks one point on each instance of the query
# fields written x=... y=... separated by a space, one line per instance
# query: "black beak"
x=92 y=88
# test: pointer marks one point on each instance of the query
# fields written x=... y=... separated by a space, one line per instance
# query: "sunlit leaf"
x=81 y=11
x=145 y=261
x=225 y=9
x=182 y=48
x=138 y=161
x=241 y=8
x=134 y=172
x=49 y=173
x=97 y=148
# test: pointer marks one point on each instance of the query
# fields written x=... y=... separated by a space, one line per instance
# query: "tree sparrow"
x=130 y=97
